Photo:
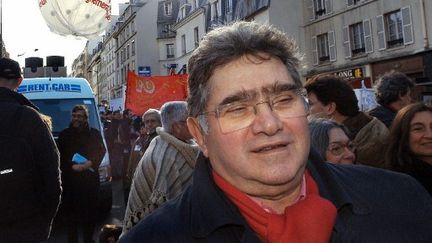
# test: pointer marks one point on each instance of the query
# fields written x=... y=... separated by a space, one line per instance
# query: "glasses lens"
x=351 y=147
x=239 y=115
x=235 y=116
x=336 y=149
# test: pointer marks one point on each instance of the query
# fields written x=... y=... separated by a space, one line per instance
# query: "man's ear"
x=196 y=132
x=330 y=108
x=17 y=84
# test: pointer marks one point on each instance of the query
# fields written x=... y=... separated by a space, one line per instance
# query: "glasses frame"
x=301 y=92
x=344 y=146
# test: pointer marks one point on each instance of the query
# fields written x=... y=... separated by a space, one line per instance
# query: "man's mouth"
x=270 y=148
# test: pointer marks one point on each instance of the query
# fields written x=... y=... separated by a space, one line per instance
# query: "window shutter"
x=367 y=28
x=407 y=25
x=346 y=42
x=328 y=6
x=219 y=8
x=311 y=10
x=314 y=49
x=332 y=45
x=381 y=32
x=350 y=2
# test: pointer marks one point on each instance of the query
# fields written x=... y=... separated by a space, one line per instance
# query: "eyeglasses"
x=240 y=114
x=338 y=148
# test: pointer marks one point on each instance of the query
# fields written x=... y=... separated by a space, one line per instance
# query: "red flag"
x=143 y=93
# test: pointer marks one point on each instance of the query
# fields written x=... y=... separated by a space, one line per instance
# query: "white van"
x=55 y=97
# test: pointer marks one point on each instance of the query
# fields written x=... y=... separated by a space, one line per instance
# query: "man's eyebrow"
x=279 y=87
x=239 y=96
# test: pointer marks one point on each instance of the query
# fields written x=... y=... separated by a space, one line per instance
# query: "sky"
x=24 y=30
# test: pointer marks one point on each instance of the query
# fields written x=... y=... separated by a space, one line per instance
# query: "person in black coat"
x=29 y=171
x=80 y=180
x=257 y=179
x=392 y=92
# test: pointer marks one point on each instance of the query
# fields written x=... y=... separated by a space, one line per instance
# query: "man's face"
x=79 y=118
x=117 y=115
x=267 y=158
x=317 y=108
x=181 y=131
x=151 y=122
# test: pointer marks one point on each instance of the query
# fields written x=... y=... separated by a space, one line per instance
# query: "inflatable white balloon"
x=78 y=18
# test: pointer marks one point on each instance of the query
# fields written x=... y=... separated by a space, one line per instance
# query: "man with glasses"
x=256 y=178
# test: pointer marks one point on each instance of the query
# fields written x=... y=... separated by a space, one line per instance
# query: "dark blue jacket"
x=373 y=206
x=383 y=114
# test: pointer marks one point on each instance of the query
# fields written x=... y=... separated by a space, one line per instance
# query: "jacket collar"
x=12 y=96
x=331 y=189
x=211 y=209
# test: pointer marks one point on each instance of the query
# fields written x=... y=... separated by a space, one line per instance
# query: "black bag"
x=19 y=179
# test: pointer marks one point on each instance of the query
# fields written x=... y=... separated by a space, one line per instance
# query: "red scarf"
x=310 y=220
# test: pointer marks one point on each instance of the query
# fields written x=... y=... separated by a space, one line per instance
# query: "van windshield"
x=60 y=112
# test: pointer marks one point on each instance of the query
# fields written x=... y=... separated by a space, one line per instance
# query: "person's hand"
x=82 y=167
x=78 y=168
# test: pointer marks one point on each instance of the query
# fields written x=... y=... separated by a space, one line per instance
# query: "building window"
x=393 y=23
x=127 y=51
x=324 y=48
x=168 y=29
x=182 y=12
x=395 y=29
x=183 y=44
x=353 y=2
x=228 y=6
x=133 y=48
x=196 y=37
x=320 y=7
x=170 y=50
x=214 y=10
x=132 y=26
x=357 y=38
x=167 y=8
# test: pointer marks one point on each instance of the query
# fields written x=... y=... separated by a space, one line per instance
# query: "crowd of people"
x=253 y=155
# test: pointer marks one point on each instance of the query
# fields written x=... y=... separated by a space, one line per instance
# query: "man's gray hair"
x=229 y=43
x=392 y=85
x=171 y=112
x=152 y=111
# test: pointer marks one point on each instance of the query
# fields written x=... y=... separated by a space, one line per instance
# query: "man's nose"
x=266 y=120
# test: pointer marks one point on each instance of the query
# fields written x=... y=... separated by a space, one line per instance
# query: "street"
x=59 y=234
